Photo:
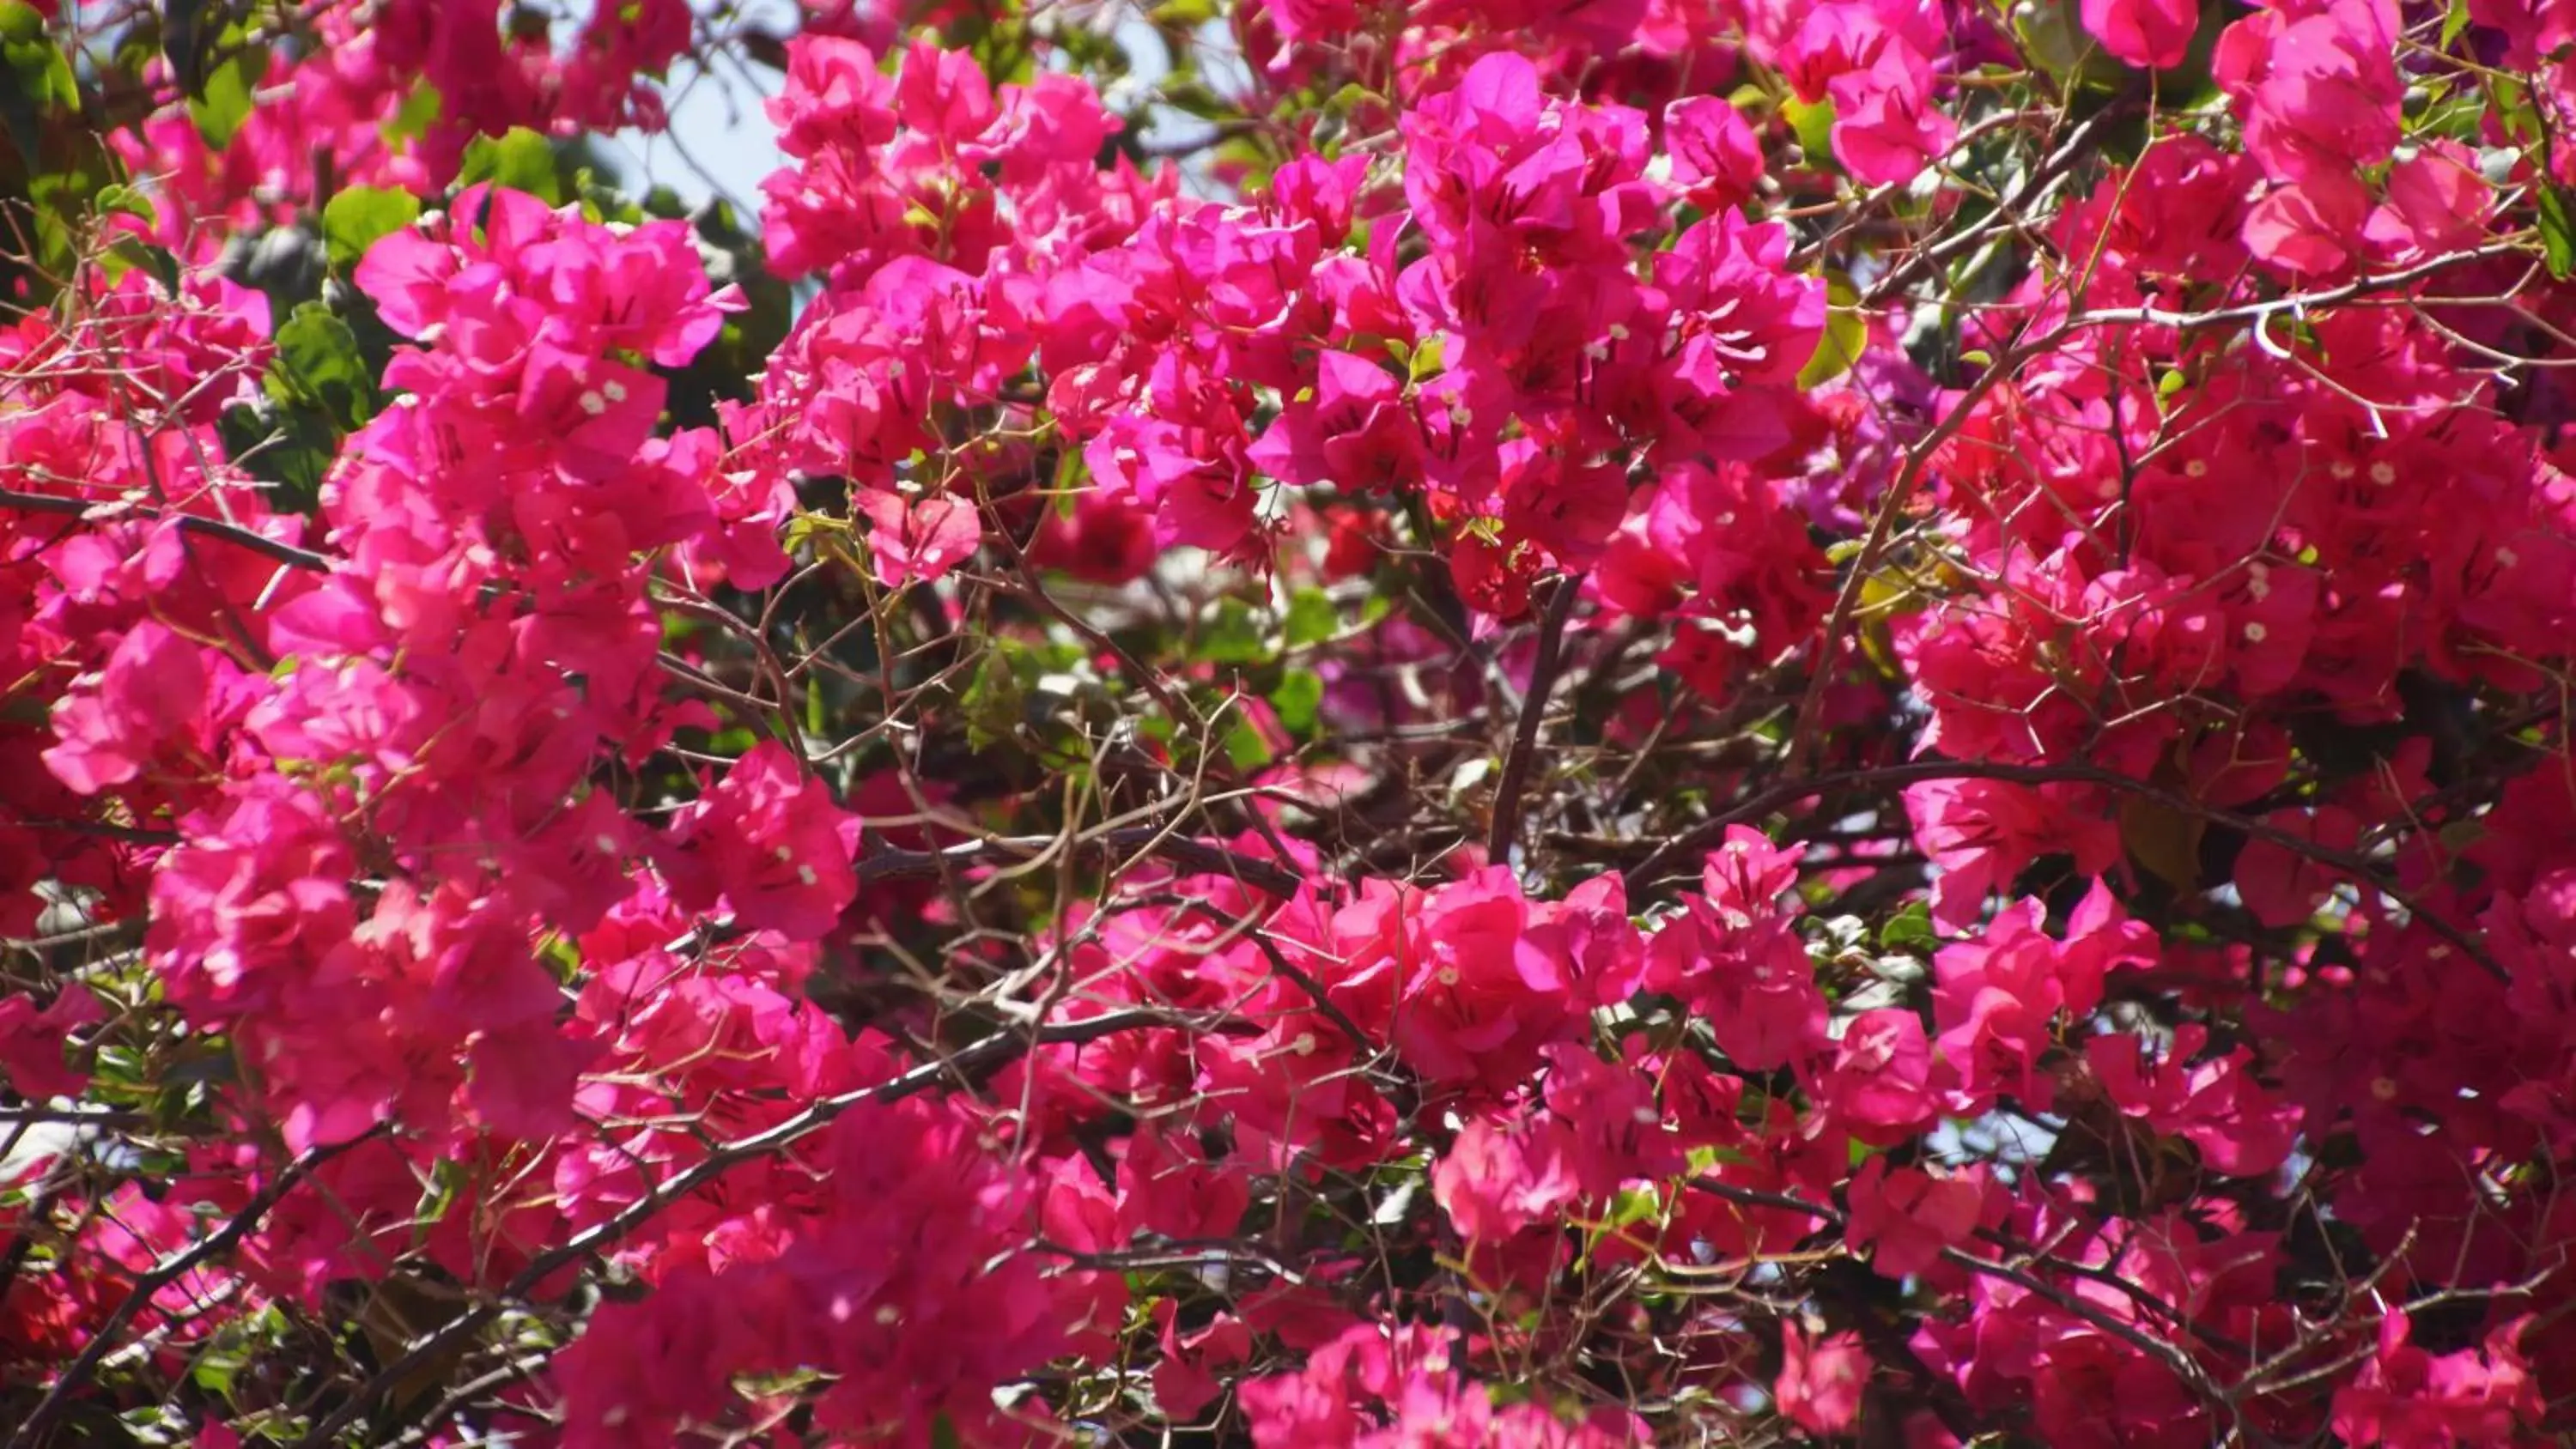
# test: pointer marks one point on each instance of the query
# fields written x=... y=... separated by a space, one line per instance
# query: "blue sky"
x=716 y=121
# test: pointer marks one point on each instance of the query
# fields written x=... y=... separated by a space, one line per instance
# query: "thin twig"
x=1505 y=830
x=216 y=528
x=1789 y=792
x=58 y=1399
x=984 y=1055
x=1196 y=855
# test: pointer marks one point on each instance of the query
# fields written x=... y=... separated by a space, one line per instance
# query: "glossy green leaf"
x=1814 y=125
x=361 y=216
x=521 y=161
x=2557 y=232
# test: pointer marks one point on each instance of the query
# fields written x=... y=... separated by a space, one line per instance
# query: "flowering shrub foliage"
x=1295 y=722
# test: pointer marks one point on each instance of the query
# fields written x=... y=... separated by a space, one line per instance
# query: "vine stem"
x=1506 y=826
x=58 y=1399
x=991 y=1052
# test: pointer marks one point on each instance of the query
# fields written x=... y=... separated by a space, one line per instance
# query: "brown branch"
x=58 y=1399
x=215 y=528
x=1882 y=532
x=2173 y=1356
x=1195 y=855
x=126 y=834
x=1762 y=802
x=1505 y=830
x=982 y=1056
x=2296 y=302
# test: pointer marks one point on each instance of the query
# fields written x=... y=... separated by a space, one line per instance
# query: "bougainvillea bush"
x=1289 y=722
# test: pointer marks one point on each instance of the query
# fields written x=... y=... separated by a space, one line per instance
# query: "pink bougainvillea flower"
x=920 y=540
x=1905 y=1218
x=1821 y=1380
x=2155 y=34
x=769 y=840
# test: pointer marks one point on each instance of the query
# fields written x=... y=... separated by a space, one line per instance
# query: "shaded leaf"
x=318 y=363
x=224 y=101
x=2164 y=842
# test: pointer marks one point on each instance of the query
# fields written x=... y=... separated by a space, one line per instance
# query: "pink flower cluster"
x=391 y=93
x=1642 y=721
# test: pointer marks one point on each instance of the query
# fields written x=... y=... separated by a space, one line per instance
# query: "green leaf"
x=1846 y=335
x=120 y=199
x=2510 y=100
x=1815 y=127
x=318 y=363
x=1233 y=636
x=43 y=72
x=20 y=23
x=292 y=449
x=225 y=103
x=995 y=702
x=521 y=161
x=1312 y=619
x=2557 y=232
x=2455 y=24
x=1909 y=930
x=1635 y=1204
x=40 y=80
x=1427 y=360
x=2054 y=41
x=2163 y=841
x=446 y=1185
x=1299 y=695
x=361 y=216
x=413 y=118
x=1245 y=749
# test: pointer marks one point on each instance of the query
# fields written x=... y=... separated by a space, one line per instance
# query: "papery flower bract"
x=769 y=840
x=919 y=540
x=1904 y=1217
x=2155 y=34
x=1820 y=1382
x=148 y=698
